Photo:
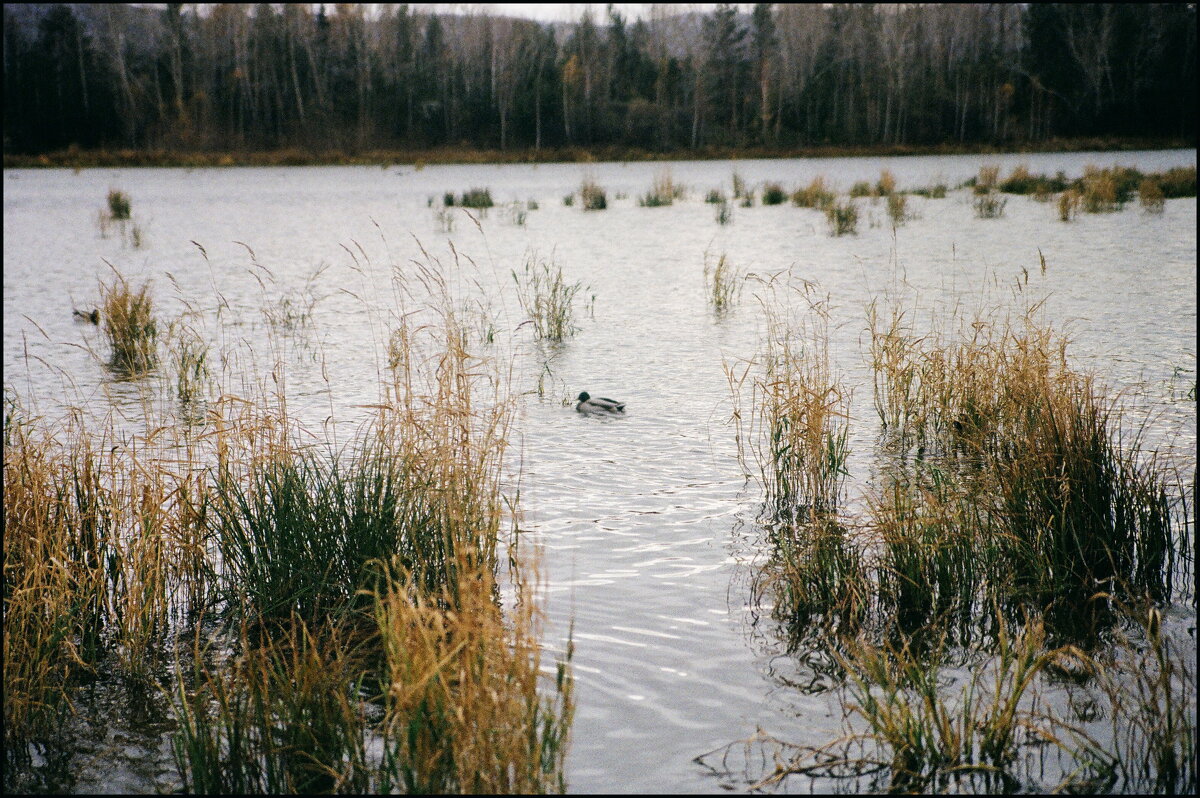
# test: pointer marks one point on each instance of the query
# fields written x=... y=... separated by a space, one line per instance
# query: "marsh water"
x=646 y=522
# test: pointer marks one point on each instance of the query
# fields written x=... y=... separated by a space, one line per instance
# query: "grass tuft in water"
x=722 y=282
x=129 y=326
x=887 y=183
x=1151 y=196
x=1069 y=203
x=473 y=198
x=547 y=298
x=815 y=195
x=773 y=194
x=591 y=195
x=842 y=217
x=664 y=191
x=119 y=205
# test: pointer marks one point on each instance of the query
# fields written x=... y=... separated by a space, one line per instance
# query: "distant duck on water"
x=93 y=316
x=598 y=404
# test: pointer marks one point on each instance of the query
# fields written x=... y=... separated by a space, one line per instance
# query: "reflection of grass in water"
x=988 y=205
x=915 y=723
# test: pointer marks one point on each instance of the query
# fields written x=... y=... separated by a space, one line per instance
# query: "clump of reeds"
x=715 y=197
x=800 y=419
x=663 y=191
x=1068 y=205
x=445 y=219
x=461 y=708
x=985 y=181
x=372 y=653
x=292 y=311
x=887 y=183
x=936 y=191
x=1100 y=192
x=547 y=298
x=842 y=218
x=569 y=199
x=592 y=195
x=99 y=547
x=862 y=188
x=1151 y=695
x=1058 y=500
x=129 y=326
x=55 y=544
x=118 y=205
x=722 y=282
x=773 y=194
x=1178 y=181
x=421 y=692
x=798 y=436
x=1151 y=196
x=815 y=195
x=472 y=198
x=1022 y=181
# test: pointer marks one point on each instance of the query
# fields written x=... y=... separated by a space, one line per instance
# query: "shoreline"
x=73 y=158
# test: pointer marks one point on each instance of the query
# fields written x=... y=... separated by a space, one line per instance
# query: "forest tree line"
x=219 y=77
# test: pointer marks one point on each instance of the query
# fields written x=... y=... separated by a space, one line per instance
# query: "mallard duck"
x=93 y=316
x=598 y=404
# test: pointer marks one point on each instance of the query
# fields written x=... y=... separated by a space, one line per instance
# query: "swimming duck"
x=93 y=316
x=598 y=404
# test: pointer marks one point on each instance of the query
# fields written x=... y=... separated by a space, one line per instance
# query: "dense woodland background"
x=219 y=77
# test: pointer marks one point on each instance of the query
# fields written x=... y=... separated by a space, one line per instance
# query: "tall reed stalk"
x=723 y=283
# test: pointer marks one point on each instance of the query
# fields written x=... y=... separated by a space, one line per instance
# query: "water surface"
x=646 y=522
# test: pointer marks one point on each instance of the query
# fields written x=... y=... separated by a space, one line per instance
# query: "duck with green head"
x=598 y=404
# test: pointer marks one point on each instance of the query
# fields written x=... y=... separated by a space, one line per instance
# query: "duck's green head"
x=584 y=396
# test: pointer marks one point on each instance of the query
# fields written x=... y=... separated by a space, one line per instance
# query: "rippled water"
x=646 y=521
